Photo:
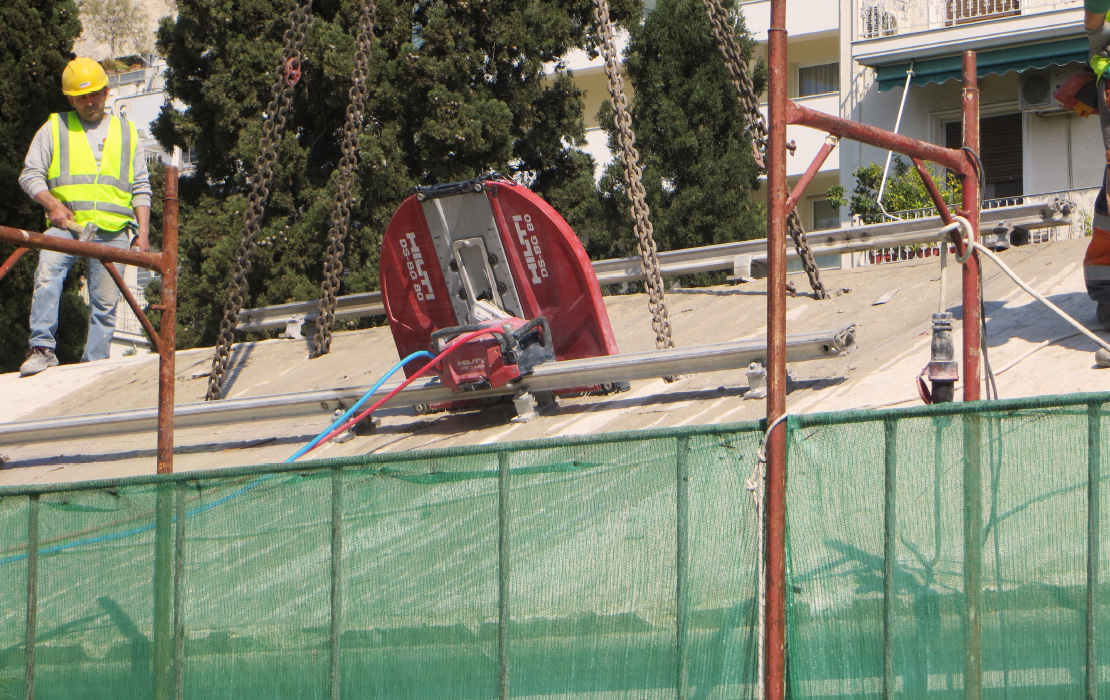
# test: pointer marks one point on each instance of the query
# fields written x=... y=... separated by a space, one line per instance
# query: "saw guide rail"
x=548 y=377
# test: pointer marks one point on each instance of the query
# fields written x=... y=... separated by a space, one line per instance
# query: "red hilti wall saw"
x=489 y=254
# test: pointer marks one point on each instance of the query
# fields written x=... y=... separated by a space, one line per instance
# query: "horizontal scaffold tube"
x=845 y=128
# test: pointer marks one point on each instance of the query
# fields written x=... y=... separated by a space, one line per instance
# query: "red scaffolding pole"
x=165 y=263
x=775 y=541
x=781 y=112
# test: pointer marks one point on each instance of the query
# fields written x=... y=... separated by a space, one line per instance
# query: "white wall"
x=1062 y=152
x=141 y=109
x=802 y=17
x=809 y=141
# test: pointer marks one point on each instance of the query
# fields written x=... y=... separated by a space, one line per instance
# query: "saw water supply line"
x=357 y=405
x=323 y=437
x=343 y=423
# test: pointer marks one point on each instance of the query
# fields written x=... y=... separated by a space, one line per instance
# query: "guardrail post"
x=179 y=592
x=1094 y=480
x=775 y=642
x=504 y=515
x=973 y=478
x=682 y=524
x=335 y=645
x=32 y=595
x=163 y=590
x=890 y=564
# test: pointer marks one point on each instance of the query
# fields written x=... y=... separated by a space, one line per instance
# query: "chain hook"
x=292 y=71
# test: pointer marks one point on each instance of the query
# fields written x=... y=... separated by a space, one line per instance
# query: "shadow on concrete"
x=708 y=291
x=1033 y=322
x=152 y=454
x=240 y=356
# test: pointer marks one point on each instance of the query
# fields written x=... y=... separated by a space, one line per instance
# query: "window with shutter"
x=1000 y=148
x=818 y=80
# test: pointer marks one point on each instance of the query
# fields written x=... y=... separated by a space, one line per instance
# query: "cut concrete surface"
x=1032 y=352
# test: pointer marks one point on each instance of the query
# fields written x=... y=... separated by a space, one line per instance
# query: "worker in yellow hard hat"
x=83 y=76
x=84 y=167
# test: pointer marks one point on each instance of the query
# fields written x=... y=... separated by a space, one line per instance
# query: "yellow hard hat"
x=82 y=76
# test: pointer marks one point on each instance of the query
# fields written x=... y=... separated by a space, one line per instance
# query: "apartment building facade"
x=896 y=64
x=904 y=55
x=854 y=58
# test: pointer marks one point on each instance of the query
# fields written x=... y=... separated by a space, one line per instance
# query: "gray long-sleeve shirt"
x=37 y=162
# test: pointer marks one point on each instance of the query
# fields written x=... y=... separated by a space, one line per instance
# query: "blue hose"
x=365 y=397
x=257 y=481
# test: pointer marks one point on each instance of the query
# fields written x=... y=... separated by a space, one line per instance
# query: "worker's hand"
x=1108 y=155
x=142 y=240
x=59 y=215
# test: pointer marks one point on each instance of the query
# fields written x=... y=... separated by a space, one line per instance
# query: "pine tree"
x=456 y=89
x=699 y=170
x=36 y=38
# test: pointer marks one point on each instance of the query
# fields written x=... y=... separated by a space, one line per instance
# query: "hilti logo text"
x=530 y=244
x=417 y=273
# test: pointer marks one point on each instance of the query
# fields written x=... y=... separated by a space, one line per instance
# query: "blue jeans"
x=103 y=296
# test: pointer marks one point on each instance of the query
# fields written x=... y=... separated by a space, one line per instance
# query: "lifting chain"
x=630 y=156
x=749 y=102
x=801 y=244
x=340 y=211
x=281 y=97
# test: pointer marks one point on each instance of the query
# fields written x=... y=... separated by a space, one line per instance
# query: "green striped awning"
x=992 y=61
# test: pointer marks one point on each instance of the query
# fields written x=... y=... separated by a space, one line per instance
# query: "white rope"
x=755 y=486
x=960 y=222
x=970 y=245
x=943 y=306
x=1059 y=312
x=762 y=452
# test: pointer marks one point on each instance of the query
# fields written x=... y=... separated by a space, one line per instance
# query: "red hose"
x=396 y=390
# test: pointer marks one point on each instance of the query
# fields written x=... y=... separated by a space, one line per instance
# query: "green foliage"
x=36 y=37
x=455 y=89
x=904 y=191
x=691 y=132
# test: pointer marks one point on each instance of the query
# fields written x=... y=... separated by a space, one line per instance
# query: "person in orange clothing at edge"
x=1096 y=263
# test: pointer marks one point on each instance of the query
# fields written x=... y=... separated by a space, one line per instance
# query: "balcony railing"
x=125 y=317
x=1082 y=199
x=876 y=19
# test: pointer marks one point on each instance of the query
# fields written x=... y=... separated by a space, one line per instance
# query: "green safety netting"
x=620 y=566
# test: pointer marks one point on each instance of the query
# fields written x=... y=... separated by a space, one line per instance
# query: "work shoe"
x=1103 y=315
x=37 y=360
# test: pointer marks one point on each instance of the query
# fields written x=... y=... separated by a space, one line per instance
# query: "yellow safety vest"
x=1100 y=62
x=101 y=196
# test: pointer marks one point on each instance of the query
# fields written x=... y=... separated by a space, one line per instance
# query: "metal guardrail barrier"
x=725 y=256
